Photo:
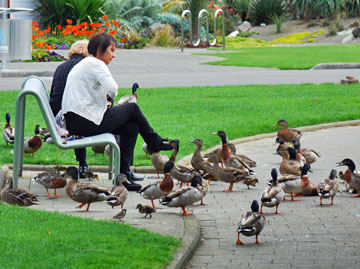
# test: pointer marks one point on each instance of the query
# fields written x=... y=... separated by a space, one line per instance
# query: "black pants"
x=126 y=120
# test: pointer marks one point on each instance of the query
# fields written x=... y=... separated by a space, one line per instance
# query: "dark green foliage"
x=261 y=10
x=312 y=9
x=56 y=12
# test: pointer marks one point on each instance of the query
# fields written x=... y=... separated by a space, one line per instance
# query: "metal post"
x=197 y=42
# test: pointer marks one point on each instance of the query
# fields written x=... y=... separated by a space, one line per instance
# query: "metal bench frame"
x=34 y=86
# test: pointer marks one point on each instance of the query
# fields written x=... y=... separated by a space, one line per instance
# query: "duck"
x=145 y=209
x=146 y=150
x=287 y=166
x=328 y=187
x=84 y=193
x=15 y=196
x=130 y=98
x=98 y=149
x=51 y=180
x=33 y=144
x=119 y=193
x=310 y=155
x=233 y=160
x=279 y=140
x=286 y=133
x=349 y=80
x=159 y=189
x=9 y=131
x=159 y=160
x=185 y=196
x=295 y=184
x=251 y=223
x=182 y=173
x=273 y=194
x=198 y=163
x=351 y=175
x=228 y=174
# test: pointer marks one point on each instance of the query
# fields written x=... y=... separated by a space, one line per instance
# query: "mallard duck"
x=328 y=187
x=279 y=140
x=185 y=196
x=273 y=194
x=158 y=160
x=98 y=149
x=9 y=131
x=228 y=174
x=233 y=160
x=181 y=173
x=295 y=184
x=351 y=175
x=84 y=193
x=145 y=209
x=119 y=216
x=251 y=223
x=51 y=180
x=198 y=163
x=159 y=189
x=310 y=155
x=131 y=98
x=15 y=196
x=146 y=150
x=119 y=192
x=33 y=144
x=286 y=133
x=287 y=166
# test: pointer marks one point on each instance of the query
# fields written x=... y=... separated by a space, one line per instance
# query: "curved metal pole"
x=183 y=14
x=201 y=12
x=222 y=28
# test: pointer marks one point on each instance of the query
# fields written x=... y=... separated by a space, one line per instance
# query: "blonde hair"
x=79 y=47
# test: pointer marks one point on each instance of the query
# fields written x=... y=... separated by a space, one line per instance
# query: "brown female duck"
x=198 y=163
x=286 y=133
x=310 y=155
x=33 y=144
x=328 y=187
x=51 y=180
x=287 y=166
x=119 y=193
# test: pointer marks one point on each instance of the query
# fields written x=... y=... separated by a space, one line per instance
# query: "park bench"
x=35 y=86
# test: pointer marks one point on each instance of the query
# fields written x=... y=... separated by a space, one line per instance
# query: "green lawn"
x=304 y=57
x=38 y=239
x=195 y=112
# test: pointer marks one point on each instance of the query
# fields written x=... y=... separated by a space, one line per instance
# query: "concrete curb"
x=190 y=243
x=26 y=73
x=336 y=66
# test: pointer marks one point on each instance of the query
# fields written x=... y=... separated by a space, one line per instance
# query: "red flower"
x=59 y=26
x=123 y=40
x=68 y=21
x=104 y=17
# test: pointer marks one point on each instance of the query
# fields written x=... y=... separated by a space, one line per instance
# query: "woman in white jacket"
x=87 y=112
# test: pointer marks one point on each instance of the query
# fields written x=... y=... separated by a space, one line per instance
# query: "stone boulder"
x=244 y=27
x=356 y=32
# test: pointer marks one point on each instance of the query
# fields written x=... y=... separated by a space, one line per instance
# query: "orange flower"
x=116 y=24
x=53 y=32
x=68 y=21
x=59 y=26
x=123 y=40
x=104 y=17
x=34 y=23
x=48 y=47
x=112 y=32
x=107 y=24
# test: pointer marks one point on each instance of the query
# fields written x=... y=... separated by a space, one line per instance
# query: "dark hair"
x=99 y=43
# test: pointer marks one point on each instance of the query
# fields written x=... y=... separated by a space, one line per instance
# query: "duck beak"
x=339 y=164
x=192 y=141
x=214 y=133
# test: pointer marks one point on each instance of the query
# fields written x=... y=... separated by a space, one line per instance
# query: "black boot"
x=132 y=176
x=82 y=171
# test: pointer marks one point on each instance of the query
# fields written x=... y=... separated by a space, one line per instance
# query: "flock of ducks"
x=222 y=164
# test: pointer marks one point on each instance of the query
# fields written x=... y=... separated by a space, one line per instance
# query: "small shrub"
x=325 y=23
x=312 y=24
x=261 y=10
x=355 y=23
x=332 y=30
x=248 y=34
x=164 y=37
x=278 y=21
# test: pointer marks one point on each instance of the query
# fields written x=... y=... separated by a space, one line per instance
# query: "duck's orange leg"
x=153 y=205
x=230 y=188
x=257 y=240
x=185 y=213
x=332 y=201
x=238 y=242
x=276 y=211
x=87 y=208
x=292 y=198
x=48 y=193
x=80 y=206
x=261 y=211
x=55 y=194
x=356 y=195
x=321 y=203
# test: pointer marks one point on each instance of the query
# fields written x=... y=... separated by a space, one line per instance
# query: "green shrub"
x=247 y=34
x=278 y=21
x=56 y=12
x=312 y=9
x=261 y=10
x=355 y=23
x=164 y=37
